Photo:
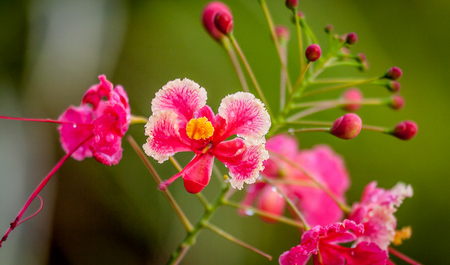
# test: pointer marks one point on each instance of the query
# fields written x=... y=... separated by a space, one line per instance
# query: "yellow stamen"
x=401 y=235
x=199 y=128
x=225 y=177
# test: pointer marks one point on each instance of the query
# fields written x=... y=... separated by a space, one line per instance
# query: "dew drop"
x=74 y=125
x=249 y=122
x=249 y=212
x=274 y=189
x=291 y=131
x=110 y=137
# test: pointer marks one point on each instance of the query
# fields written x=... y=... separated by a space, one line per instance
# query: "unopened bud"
x=352 y=38
x=352 y=94
x=313 y=52
x=394 y=73
x=209 y=13
x=363 y=60
x=282 y=33
x=224 y=22
x=291 y=4
x=394 y=86
x=271 y=201
x=397 y=102
x=405 y=130
x=329 y=29
x=347 y=127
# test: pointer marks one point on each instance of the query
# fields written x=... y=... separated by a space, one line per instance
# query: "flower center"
x=199 y=128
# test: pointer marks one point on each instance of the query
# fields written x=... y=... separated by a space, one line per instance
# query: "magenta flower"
x=321 y=162
x=104 y=116
x=181 y=121
x=376 y=212
x=322 y=242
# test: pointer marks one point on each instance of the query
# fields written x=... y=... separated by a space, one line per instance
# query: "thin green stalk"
x=331 y=88
x=191 y=236
x=235 y=240
x=138 y=119
x=340 y=102
x=254 y=210
x=250 y=72
x=289 y=202
x=299 y=37
x=302 y=130
x=187 y=224
x=341 y=205
x=307 y=112
x=237 y=66
x=277 y=44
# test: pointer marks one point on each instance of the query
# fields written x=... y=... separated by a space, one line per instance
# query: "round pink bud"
x=329 y=29
x=313 y=52
x=282 y=33
x=393 y=73
x=352 y=94
x=291 y=4
x=397 y=102
x=347 y=127
x=405 y=130
x=394 y=86
x=224 y=22
x=352 y=38
x=271 y=201
x=209 y=12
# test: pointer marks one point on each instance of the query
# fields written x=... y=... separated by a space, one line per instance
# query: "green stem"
x=299 y=36
x=331 y=88
x=341 y=102
x=307 y=112
x=237 y=66
x=138 y=119
x=250 y=72
x=191 y=236
x=281 y=219
x=235 y=240
x=345 y=208
x=288 y=201
x=302 y=130
x=187 y=224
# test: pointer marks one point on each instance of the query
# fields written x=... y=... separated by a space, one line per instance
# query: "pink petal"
x=245 y=164
x=96 y=92
x=366 y=254
x=284 y=145
x=245 y=116
x=271 y=201
x=107 y=146
x=206 y=112
x=197 y=176
x=293 y=257
x=163 y=136
x=72 y=135
x=182 y=97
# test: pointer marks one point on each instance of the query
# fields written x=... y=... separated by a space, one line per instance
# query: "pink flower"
x=181 y=121
x=376 y=212
x=322 y=242
x=321 y=162
x=104 y=116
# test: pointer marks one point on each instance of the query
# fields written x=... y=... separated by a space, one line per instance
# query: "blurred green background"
x=52 y=51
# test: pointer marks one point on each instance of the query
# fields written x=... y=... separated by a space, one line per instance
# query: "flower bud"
x=394 y=86
x=224 y=22
x=313 y=52
x=291 y=4
x=329 y=29
x=397 y=102
x=351 y=38
x=209 y=12
x=393 y=73
x=405 y=130
x=271 y=201
x=300 y=16
x=347 y=126
x=363 y=60
x=282 y=33
x=352 y=94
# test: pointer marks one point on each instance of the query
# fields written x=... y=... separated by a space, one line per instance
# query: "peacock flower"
x=322 y=242
x=181 y=121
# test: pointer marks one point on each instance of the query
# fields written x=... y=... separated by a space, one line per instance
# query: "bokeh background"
x=52 y=51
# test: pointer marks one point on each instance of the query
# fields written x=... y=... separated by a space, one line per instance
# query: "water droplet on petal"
x=274 y=189
x=74 y=125
x=249 y=122
x=249 y=212
x=110 y=137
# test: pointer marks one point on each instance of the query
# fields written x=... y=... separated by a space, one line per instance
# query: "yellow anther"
x=199 y=128
x=225 y=177
x=401 y=235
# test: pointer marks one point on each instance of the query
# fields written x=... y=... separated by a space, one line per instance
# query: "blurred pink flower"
x=321 y=162
x=182 y=121
x=104 y=115
x=322 y=242
x=376 y=212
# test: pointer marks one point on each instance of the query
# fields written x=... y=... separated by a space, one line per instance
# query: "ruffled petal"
x=293 y=257
x=107 y=145
x=182 y=97
x=197 y=176
x=73 y=134
x=246 y=116
x=366 y=254
x=245 y=164
x=96 y=92
x=163 y=136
